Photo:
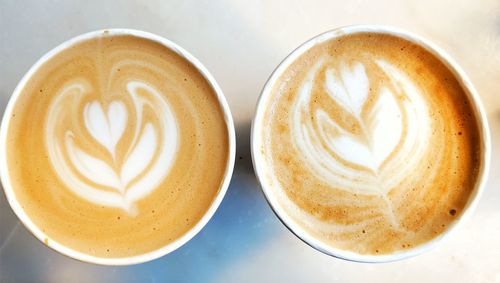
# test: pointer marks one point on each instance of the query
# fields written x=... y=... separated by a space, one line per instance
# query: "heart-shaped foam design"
x=146 y=162
x=106 y=129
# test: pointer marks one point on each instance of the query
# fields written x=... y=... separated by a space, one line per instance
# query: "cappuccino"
x=369 y=144
x=116 y=146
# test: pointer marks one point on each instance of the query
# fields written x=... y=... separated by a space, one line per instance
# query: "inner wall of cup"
x=36 y=231
x=259 y=159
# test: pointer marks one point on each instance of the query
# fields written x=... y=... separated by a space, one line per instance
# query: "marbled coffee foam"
x=117 y=146
x=372 y=144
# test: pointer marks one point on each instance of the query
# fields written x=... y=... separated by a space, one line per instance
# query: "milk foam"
x=118 y=146
x=394 y=129
x=146 y=162
x=370 y=144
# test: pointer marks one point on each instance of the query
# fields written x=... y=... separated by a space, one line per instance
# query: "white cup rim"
x=259 y=162
x=37 y=232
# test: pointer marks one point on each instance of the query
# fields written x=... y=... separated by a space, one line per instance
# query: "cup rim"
x=259 y=161
x=136 y=259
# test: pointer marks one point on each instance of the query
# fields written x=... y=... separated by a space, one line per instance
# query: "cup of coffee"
x=370 y=144
x=116 y=147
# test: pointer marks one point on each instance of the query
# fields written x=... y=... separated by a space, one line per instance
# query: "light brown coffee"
x=116 y=146
x=370 y=144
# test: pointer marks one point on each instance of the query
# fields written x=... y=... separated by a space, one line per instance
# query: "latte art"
x=105 y=180
x=369 y=144
x=117 y=147
x=378 y=154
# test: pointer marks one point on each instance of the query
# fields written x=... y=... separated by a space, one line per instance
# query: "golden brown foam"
x=425 y=202
x=181 y=199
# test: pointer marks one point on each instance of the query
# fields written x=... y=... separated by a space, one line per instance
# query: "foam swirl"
x=390 y=136
x=119 y=145
x=109 y=180
x=371 y=143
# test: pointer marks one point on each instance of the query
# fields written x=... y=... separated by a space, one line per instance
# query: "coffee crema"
x=117 y=146
x=370 y=144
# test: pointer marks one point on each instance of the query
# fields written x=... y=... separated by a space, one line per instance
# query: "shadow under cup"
x=269 y=184
x=218 y=195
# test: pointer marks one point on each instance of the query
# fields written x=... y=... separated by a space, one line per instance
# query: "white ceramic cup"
x=37 y=232
x=259 y=163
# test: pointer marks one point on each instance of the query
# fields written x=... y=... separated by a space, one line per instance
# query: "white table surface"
x=241 y=42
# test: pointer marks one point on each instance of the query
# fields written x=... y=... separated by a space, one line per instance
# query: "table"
x=241 y=42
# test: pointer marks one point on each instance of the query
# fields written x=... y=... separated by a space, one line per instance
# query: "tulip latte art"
x=371 y=144
x=118 y=146
x=91 y=175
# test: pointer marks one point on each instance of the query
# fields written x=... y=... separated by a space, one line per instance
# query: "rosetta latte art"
x=370 y=143
x=103 y=180
x=392 y=137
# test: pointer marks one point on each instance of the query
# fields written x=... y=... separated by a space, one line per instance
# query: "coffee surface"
x=117 y=146
x=370 y=144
